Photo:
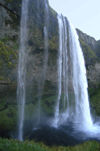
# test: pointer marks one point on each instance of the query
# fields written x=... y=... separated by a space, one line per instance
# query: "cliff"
x=9 y=34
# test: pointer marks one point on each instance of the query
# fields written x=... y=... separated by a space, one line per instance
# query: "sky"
x=83 y=14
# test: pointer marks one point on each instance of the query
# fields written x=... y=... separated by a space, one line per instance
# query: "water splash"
x=72 y=82
x=21 y=88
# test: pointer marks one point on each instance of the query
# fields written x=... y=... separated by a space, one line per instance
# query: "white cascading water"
x=56 y=118
x=63 y=75
x=79 y=80
x=62 y=68
x=45 y=61
x=46 y=41
x=72 y=73
x=83 y=119
x=21 y=88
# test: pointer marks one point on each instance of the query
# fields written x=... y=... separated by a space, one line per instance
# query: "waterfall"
x=72 y=81
x=60 y=59
x=62 y=71
x=46 y=38
x=72 y=104
x=79 y=81
x=45 y=57
x=21 y=88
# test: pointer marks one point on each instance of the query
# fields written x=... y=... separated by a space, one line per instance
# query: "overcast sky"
x=84 y=14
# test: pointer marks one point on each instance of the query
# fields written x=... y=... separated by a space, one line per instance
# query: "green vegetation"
x=8 y=114
x=52 y=43
x=48 y=104
x=95 y=99
x=6 y=55
x=36 y=38
x=7 y=121
x=89 y=54
x=14 y=145
x=53 y=12
x=8 y=58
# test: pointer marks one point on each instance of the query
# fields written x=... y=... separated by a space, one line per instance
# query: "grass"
x=14 y=145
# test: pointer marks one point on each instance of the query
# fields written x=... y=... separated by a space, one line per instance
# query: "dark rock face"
x=97 y=49
x=9 y=42
x=8 y=30
x=12 y=6
x=91 y=52
x=87 y=39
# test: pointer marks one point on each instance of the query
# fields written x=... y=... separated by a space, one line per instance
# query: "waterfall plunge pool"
x=65 y=135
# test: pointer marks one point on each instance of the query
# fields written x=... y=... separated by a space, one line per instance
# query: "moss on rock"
x=95 y=100
x=89 y=54
x=8 y=59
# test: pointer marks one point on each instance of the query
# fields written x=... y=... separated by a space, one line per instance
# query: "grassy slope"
x=14 y=145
